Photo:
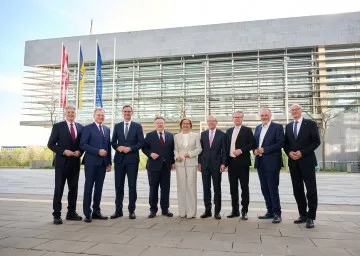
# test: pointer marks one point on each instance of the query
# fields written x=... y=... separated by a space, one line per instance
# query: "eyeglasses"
x=237 y=117
x=294 y=109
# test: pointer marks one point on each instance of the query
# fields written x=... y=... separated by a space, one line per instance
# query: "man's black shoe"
x=244 y=216
x=310 y=223
x=217 y=216
x=99 y=216
x=167 y=214
x=132 y=216
x=57 y=221
x=266 y=216
x=277 y=219
x=206 y=214
x=73 y=216
x=87 y=219
x=152 y=215
x=301 y=219
x=234 y=214
x=117 y=215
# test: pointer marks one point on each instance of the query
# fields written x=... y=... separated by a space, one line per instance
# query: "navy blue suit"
x=269 y=164
x=303 y=170
x=159 y=170
x=92 y=140
x=66 y=168
x=211 y=158
x=127 y=163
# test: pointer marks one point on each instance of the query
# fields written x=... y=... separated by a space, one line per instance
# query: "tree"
x=51 y=107
x=327 y=114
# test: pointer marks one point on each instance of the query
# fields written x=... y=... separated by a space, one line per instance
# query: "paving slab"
x=116 y=249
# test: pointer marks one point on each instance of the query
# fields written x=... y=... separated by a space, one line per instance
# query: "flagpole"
x=78 y=80
x=96 y=60
x=113 y=89
x=61 y=71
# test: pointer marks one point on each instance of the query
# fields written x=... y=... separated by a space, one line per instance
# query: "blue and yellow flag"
x=81 y=78
x=98 y=99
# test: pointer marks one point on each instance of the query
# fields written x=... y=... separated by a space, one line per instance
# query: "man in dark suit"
x=96 y=143
x=240 y=141
x=212 y=162
x=159 y=148
x=301 y=140
x=64 y=142
x=269 y=139
x=127 y=140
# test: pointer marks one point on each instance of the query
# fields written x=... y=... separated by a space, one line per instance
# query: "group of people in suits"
x=212 y=153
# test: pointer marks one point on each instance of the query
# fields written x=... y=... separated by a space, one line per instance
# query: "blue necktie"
x=126 y=130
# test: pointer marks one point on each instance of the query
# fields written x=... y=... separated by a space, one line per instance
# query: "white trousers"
x=186 y=191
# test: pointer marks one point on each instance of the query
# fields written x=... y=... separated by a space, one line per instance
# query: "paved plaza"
x=26 y=223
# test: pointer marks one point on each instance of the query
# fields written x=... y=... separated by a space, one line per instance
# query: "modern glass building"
x=214 y=69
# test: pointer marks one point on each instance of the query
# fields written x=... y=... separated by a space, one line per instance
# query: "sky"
x=23 y=20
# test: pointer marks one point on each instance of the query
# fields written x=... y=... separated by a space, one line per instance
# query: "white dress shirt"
x=298 y=125
x=263 y=132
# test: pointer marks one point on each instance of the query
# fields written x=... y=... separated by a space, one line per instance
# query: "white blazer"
x=193 y=148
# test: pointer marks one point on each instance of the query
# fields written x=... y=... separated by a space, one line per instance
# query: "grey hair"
x=70 y=107
x=213 y=117
x=240 y=112
x=99 y=109
x=266 y=109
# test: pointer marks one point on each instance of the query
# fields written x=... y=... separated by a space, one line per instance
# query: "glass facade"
x=200 y=85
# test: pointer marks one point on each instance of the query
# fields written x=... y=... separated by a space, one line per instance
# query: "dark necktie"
x=162 y=142
x=101 y=130
x=296 y=129
x=72 y=132
x=126 y=130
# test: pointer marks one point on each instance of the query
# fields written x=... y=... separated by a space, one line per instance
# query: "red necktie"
x=72 y=132
x=162 y=142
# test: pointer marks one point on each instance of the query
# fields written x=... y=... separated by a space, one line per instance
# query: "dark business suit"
x=211 y=158
x=303 y=170
x=92 y=140
x=66 y=168
x=127 y=163
x=238 y=167
x=159 y=170
x=269 y=164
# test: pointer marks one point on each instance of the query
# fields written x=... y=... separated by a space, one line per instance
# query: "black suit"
x=238 y=167
x=159 y=170
x=66 y=168
x=127 y=163
x=303 y=170
x=211 y=158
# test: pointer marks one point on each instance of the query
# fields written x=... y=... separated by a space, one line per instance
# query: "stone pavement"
x=26 y=224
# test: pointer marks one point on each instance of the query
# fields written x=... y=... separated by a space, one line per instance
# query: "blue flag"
x=98 y=102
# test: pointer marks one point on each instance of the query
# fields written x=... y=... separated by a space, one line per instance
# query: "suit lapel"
x=291 y=127
x=257 y=134
x=302 y=128
x=206 y=139
x=268 y=132
x=67 y=131
x=121 y=133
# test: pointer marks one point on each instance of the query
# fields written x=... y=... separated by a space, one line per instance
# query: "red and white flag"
x=64 y=84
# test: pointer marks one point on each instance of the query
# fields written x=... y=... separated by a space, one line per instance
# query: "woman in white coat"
x=187 y=149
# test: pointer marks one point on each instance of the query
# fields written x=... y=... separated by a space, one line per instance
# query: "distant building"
x=212 y=69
